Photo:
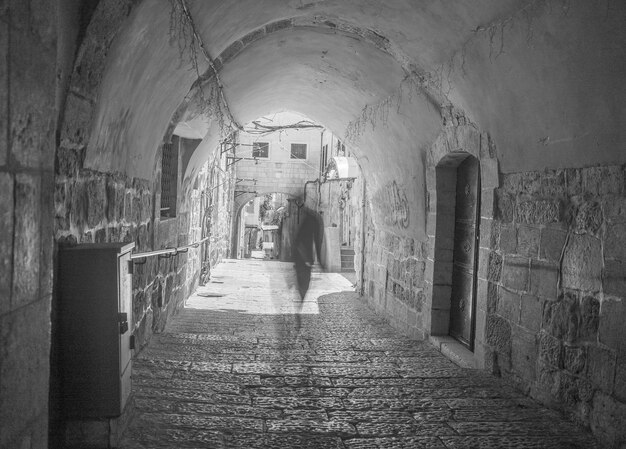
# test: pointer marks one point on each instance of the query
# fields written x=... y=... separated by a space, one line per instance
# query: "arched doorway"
x=457 y=241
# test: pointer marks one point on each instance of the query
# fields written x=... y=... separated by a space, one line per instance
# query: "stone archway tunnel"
x=115 y=113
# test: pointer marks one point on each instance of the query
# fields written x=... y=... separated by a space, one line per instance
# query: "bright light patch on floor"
x=263 y=287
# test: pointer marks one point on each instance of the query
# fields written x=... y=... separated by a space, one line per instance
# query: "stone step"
x=347 y=258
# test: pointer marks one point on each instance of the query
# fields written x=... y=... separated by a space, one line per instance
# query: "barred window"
x=261 y=150
x=298 y=151
x=169 y=178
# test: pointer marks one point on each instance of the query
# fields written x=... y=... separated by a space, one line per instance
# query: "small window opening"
x=261 y=150
x=324 y=159
x=298 y=151
x=169 y=178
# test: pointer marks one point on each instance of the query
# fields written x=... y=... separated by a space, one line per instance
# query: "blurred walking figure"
x=307 y=247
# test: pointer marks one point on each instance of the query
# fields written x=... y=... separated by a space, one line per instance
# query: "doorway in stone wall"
x=456 y=247
x=465 y=251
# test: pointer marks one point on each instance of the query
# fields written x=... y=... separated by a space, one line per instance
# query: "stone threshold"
x=454 y=350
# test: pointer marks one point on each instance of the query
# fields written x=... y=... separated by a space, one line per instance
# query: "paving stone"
x=393 y=429
x=344 y=379
x=433 y=372
x=395 y=404
x=212 y=366
x=151 y=404
x=306 y=414
x=302 y=402
x=372 y=382
x=355 y=371
x=516 y=442
x=205 y=395
x=458 y=403
x=433 y=415
x=308 y=381
x=181 y=384
x=149 y=437
x=395 y=443
x=246 y=411
x=356 y=416
x=161 y=364
x=340 y=358
x=384 y=392
x=153 y=373
x=504 y=414
x=499 y=428
x=338 y=392
x=282 y=441
x=284 y=391
x=206 y=422
x=311 y=427
x=272 y=381
x=207 y=376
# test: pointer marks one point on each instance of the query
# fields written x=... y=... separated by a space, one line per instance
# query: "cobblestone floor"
x=221 y=376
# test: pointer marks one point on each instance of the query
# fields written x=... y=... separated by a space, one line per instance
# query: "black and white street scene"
x=286 y=224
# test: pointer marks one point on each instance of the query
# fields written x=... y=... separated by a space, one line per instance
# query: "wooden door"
x=465 y=256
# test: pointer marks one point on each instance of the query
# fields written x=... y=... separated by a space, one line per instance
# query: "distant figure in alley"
x=307 y=247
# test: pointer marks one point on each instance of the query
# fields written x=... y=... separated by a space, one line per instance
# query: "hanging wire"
x=192 y=34
x=261 y=129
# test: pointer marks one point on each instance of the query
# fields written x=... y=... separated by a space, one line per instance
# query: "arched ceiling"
x=528 y=72
x=543 y=77
x=325 y=75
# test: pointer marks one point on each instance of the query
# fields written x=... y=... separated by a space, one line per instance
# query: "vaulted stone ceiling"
x=536 y=75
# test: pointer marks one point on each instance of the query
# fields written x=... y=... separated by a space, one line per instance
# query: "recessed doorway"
x=457 y=242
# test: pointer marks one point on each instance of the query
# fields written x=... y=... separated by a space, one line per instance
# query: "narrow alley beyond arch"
x=237 y=370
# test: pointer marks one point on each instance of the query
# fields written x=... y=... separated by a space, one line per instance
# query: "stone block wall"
x=407 y=279
x=97 y=207
x=223 y=206
x=394 y=279
x=28 y=50
x=557 y=289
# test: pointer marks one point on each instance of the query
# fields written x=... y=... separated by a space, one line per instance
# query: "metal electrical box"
x=95 y=315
